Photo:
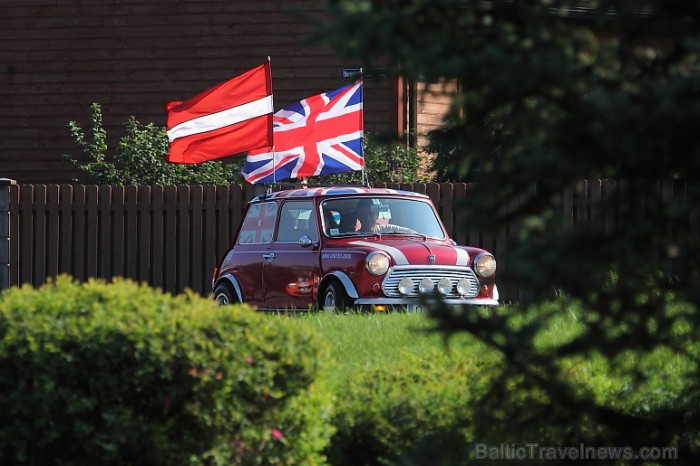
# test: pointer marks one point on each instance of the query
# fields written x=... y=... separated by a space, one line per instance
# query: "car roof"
x=328 y=192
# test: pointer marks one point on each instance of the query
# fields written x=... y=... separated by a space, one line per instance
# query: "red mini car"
x=348 y=248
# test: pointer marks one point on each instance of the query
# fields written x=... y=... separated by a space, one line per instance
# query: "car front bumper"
x=416 y=305
x=418 y=302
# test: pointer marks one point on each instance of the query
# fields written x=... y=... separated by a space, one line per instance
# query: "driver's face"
x=367 y=217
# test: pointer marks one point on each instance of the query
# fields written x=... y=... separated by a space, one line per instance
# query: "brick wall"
x=133 y=56
x=433 y=103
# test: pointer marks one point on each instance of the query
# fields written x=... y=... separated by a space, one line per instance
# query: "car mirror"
x=305 y=241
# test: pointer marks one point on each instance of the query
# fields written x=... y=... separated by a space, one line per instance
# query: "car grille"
x=391 y=282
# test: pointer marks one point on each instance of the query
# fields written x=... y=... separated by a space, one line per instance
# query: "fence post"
x=5 y=184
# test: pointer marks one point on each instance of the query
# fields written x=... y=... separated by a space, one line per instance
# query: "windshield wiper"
x=404 y=233
x=354 y=233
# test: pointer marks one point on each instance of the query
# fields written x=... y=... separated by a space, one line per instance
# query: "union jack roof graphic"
x=334 y=191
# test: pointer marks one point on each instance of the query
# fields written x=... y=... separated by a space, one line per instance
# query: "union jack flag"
x=319 y=135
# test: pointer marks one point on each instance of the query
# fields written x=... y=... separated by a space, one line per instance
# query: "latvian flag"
x=228 y=119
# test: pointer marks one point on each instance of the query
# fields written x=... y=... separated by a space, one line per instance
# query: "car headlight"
x=405 y=286
x=444 y=285
x=377 y=263
x=485 y=265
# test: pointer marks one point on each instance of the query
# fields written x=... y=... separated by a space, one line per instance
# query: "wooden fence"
x=172 y=236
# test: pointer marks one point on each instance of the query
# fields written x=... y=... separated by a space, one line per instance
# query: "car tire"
x=224 y=294
x=334 y=298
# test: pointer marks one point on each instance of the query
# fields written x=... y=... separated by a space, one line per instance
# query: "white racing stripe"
x=462 y=257
x=395 y=254
x=222 y=119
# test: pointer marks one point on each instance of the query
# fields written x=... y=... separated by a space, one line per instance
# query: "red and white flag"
x=228 y=119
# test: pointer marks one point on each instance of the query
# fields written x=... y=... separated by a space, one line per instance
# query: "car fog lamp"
x=406 y=286
x=485 y=265
x=464 y=287
x=377 y=263
x=444 y=286
x=426 y=286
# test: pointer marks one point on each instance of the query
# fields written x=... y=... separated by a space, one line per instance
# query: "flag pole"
x=274 y=164
x=365 y=179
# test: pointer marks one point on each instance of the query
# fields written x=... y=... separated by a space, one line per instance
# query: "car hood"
x=417 y=252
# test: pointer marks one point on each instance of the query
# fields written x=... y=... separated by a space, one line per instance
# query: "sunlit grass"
x=374 y=341
x=365 y=342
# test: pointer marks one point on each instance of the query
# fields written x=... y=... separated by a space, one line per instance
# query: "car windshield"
x=380 y=215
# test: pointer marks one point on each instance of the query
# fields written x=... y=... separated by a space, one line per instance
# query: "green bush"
x=139 y=157
x=121 y=374
x=413 y=413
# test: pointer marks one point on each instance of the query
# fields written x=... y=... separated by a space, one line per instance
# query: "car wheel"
x=224 y=294
x=335 y=299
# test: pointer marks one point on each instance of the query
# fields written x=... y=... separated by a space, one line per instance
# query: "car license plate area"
x=416 y=308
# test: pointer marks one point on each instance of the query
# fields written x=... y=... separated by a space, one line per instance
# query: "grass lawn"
x=361 y=342
x=374 y=341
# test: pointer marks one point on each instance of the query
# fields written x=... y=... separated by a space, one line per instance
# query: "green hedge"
x=416 y=412
x=121 y=374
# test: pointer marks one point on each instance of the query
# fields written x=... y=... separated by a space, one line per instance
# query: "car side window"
x=259 y=223
x=297 y=218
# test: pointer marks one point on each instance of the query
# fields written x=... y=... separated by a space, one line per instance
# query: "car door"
x=291 y=274
x=251 y=249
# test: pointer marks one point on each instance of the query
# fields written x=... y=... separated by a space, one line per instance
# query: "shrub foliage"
x=139 y=159
x=121 y=374
x=414 y=412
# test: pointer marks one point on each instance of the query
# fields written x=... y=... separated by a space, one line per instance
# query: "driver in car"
x=368 y=220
